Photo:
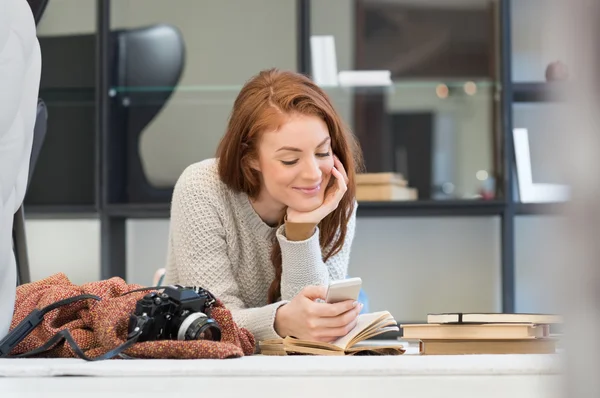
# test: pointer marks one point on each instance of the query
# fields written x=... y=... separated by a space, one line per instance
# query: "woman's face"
x=295 y=162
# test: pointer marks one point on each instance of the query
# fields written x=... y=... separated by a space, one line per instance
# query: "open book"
x=368 y=326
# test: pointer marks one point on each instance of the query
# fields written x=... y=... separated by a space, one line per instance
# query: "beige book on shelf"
x=373 y=193
x=469 y=347
x=368 y=326
x=501 y=331
x=460 y=317
x=380 y=179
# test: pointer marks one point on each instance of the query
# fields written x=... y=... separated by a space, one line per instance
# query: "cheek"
x=276 y=177
x=326 y=167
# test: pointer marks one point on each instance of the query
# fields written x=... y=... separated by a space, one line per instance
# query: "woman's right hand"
x=306 y=319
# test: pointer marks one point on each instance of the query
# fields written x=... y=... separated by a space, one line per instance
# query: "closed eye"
x=293 y=162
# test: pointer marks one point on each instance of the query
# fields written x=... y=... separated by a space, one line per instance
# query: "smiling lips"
x=309 y=190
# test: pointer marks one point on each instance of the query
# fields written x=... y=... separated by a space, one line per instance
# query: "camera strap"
x=25 y=327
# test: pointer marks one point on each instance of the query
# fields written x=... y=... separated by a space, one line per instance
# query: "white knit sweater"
x=217 y=241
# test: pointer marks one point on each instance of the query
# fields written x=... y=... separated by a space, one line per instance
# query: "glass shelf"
x=447 y=122
x=225 y=94
x=398 y=85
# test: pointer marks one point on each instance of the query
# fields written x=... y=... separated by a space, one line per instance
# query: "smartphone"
x=344 y=289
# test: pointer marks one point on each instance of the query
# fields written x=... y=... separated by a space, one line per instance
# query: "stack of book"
x=480 y=333
x=373 y=187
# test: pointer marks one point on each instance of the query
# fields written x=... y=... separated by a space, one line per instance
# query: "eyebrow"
x=289 y=148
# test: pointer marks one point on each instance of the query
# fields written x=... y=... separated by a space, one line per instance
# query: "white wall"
x=411 y=266
x=72 y=247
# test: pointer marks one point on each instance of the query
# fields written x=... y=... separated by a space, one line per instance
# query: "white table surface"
x=418 y=376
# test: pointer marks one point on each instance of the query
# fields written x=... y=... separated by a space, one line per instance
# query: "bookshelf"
x=109 y=201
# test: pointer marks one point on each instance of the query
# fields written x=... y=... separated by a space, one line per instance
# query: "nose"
x=311 y=171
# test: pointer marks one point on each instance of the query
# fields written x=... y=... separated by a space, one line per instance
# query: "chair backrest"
x=147 y=65
x=20 y=71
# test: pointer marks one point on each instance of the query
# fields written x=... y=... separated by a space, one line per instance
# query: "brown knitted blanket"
x=100 y=326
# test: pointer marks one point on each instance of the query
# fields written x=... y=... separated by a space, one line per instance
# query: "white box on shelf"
x=365 y=78
x=324 y=60
x=530 y=192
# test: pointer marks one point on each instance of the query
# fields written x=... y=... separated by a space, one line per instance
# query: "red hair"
x=264 y=104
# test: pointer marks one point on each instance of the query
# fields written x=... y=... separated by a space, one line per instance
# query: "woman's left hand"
x=333 y=196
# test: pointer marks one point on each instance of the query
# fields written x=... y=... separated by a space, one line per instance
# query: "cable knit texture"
x=217 y=241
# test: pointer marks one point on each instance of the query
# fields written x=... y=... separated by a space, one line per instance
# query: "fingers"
x=340 y=167
x=335 y=309
x=333 y=198
x=340 y=188
x=334 y=333
x=314 y=292
x=327 y=322
x=339 y=321
x=340 y=180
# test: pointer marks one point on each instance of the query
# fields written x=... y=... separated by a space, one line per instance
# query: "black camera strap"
x=66 y=336
x=22 y=330
x=25 y=327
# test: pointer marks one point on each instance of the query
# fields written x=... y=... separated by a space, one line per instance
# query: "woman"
x=269 y=223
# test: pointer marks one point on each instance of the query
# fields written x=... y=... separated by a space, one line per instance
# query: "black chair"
x=19 y=236
x=147 y=64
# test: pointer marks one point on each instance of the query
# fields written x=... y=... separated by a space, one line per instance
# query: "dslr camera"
x=178 y=313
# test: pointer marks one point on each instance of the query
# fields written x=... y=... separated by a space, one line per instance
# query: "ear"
x=254 y=164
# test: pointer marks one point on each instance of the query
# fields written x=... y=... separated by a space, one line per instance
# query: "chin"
x=306 y=205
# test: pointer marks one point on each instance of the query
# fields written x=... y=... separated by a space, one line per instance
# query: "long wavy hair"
x=264 y=104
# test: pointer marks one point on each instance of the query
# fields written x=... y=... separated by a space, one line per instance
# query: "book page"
x=380 y=326
x=365 y=321
x=301 y=349
x=372 y=333
x=292 y=341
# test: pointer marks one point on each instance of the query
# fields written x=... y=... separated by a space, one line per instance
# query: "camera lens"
x=197 y=326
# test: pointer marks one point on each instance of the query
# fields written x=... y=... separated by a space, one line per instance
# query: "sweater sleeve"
x=199 y=250
x=303 y=265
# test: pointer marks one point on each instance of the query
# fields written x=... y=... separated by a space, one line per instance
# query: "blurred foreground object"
x=557 y=71
x=580 y=274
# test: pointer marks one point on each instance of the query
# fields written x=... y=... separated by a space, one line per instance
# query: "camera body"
x=178 y=313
